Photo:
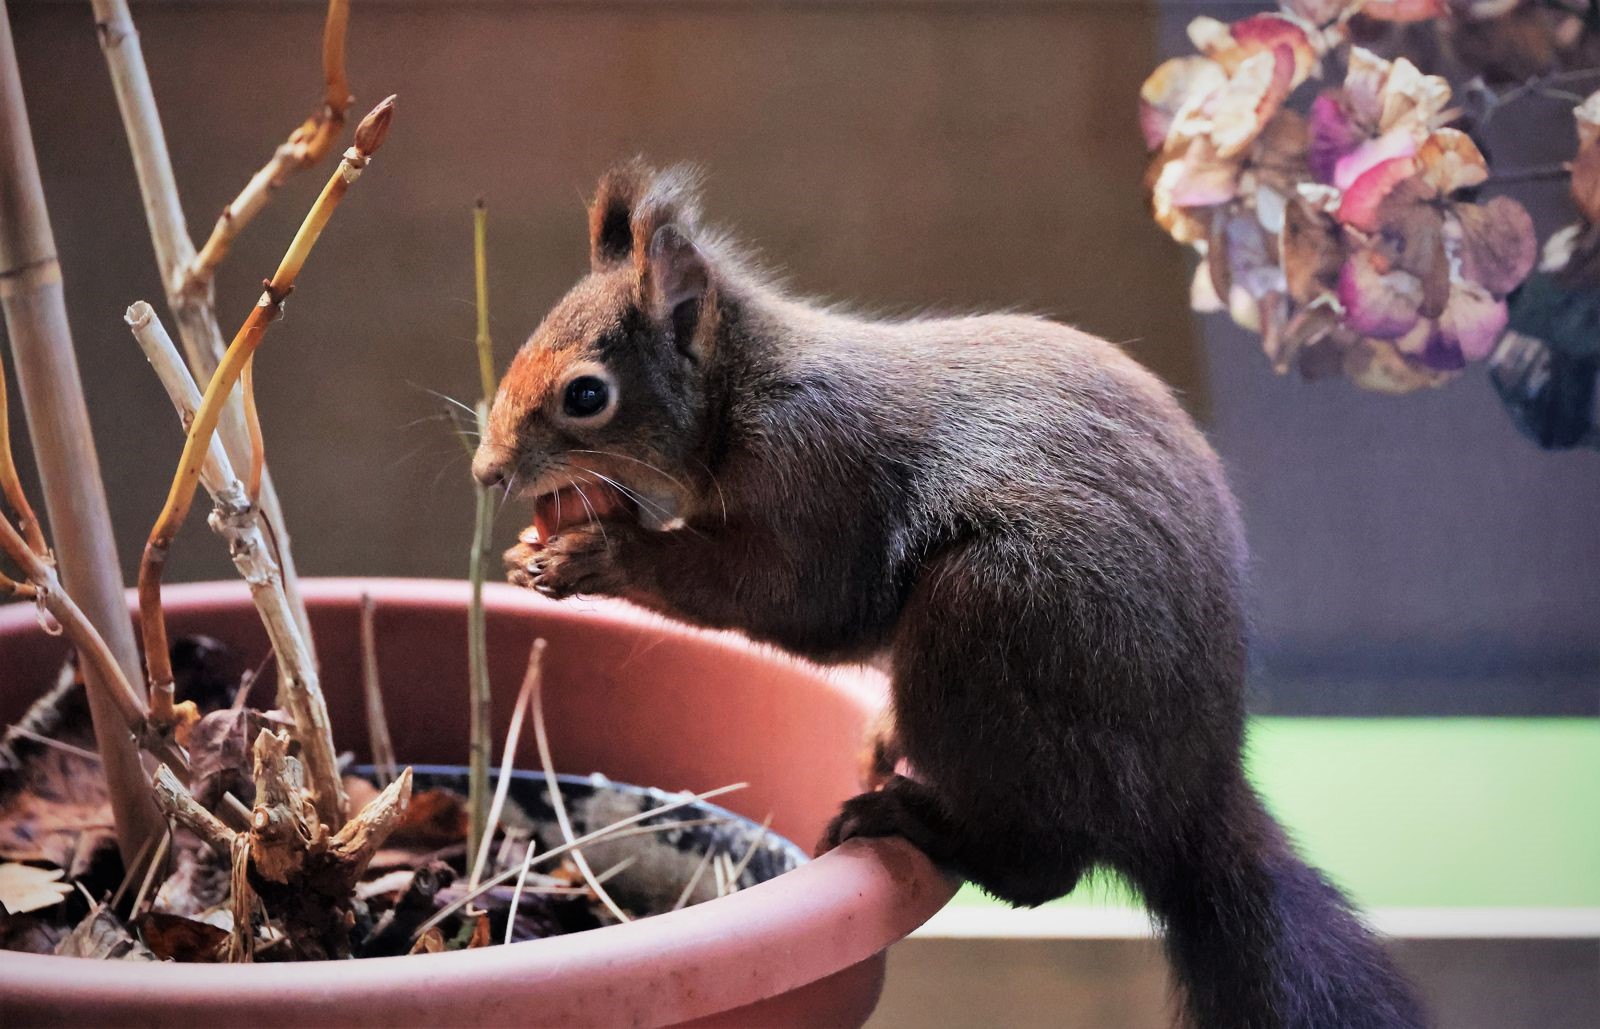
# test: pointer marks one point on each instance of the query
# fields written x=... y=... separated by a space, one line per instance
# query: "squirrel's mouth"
x=578 y=504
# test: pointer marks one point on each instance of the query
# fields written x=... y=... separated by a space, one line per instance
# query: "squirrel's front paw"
x=900 y=807
x=580 y=560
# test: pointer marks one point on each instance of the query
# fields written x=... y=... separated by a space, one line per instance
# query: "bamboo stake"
x=69 y=468
x=301 y=696
x=479 y=697
x=194 y=312
x=239 y=524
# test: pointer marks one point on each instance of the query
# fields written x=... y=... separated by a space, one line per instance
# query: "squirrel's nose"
x=488 y=468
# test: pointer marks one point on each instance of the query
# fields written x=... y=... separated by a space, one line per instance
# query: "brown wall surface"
x=901 y=156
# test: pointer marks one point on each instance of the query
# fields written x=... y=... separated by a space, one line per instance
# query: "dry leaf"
x=102 y=935
x=1498 y=246
x=430 y=942
x=175 y=938
x=434 y=818
x=30 y=888
x=1312 y=251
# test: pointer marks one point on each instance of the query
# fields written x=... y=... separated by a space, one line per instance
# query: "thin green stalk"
x=483 y=528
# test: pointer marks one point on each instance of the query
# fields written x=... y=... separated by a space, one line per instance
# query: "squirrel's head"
x=604 y=407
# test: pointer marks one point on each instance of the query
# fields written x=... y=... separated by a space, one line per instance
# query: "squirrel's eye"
x=586 y=396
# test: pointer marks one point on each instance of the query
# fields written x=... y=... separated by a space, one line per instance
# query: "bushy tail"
x=1260 y=940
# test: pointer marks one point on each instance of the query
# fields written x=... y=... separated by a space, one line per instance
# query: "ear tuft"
x=611 y=212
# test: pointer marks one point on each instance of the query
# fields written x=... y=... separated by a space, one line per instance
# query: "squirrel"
x=1014 y=518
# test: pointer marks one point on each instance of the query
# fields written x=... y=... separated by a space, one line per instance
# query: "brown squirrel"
x=1014 y=517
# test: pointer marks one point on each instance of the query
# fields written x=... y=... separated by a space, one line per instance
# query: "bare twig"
x=69 y=468
x=178 y=805
x=1534 y=173
x=478 y=704
x=307 y=706
x=11 y=485
x=553 y=785
x=149 y=880
x=354 y=845
x=239 y=524
x=306 y=145
x=195 y=313
x=384 y=766
x=26 y=733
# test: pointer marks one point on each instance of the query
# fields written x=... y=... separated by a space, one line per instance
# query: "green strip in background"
x=1418 y=812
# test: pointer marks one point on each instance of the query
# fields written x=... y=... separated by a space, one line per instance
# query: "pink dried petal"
x=1359 y=206
x=1365 y=74
x=1333 y=135
x=1411 y=100
x=1269 y=31
x=1175 y=84
x=1254 y=93
x=1384 y=304
x=1498 y=247
x=1371 y=153
x=1450 y=160
x=1473 y=321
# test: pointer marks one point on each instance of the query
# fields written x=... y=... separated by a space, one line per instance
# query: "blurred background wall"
x=1412 y=555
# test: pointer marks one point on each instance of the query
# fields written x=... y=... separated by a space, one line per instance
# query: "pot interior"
x=662 y=863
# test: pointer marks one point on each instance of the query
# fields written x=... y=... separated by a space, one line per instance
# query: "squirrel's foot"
x=901 y=807
x=578 y=561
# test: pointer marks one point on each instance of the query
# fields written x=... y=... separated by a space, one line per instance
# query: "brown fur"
x=1015 y=517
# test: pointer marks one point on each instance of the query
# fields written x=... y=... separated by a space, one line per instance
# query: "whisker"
x=594 y=519
x=721 y=497
x=445 y=397
x=635 y=460
x=631 y=494
x=505 y=494
x=636 y=497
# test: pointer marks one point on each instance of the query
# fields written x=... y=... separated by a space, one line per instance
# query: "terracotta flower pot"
x=628 y=695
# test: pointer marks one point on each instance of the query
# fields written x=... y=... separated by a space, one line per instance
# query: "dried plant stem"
x=11 y=484
x=307 y=145
x=238 y=523
x=178 y=805
x=242 y=938
x=553 y=785
x=694 y=880
x=101 y=668
x=305 y=705
x=609 y=832
x=69 y=468
x=750 y=852
x=195 y=313
x=479 y=696
x=508 y=756
x=384 y=765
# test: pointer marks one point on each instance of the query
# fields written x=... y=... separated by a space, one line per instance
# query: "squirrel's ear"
x=675 y=285
x=611 y=212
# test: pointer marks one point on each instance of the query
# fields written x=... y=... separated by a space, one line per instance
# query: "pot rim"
x=823 y=917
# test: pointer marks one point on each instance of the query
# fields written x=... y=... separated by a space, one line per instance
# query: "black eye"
x=586 y=396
